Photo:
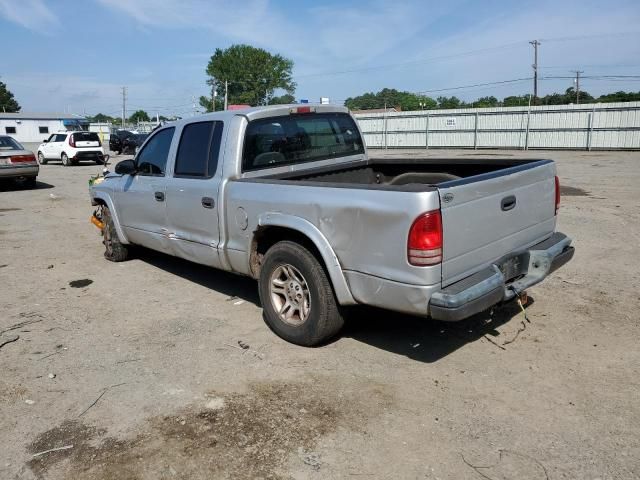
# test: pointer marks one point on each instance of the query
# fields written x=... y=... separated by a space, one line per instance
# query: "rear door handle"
x=207 y=202
x=159 y=196
x=508 y=203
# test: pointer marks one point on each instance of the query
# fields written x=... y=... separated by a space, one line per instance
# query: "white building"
x=36 y=127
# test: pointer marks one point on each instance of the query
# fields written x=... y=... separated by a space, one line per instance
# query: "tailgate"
x=87 y=144
x=488 y=216
x=86 y=139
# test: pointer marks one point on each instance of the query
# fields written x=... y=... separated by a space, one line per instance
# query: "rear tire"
x=65 y=160
x=114 y=250
x=41 y=159
x=298 y=301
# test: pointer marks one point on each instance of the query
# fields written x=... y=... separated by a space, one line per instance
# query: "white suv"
x=71 y=148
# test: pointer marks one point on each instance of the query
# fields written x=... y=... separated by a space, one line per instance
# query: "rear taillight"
x=72 y=141
x=424 y=246
x=23 y=158
x=557 y=194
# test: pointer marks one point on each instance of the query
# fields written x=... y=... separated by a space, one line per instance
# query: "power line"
x=413 y=62
x=501 y=82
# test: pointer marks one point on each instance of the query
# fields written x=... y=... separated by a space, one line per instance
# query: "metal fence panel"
x=589 y=126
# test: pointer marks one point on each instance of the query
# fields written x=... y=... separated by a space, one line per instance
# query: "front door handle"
x=159 y=196
x=508 y=203
x=207 y=202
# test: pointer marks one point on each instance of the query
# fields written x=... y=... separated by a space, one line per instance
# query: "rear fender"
x=331 y=262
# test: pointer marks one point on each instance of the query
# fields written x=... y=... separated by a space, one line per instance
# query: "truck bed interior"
x=407 y=172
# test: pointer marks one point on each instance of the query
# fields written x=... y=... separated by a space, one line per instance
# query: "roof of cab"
x=255 y=113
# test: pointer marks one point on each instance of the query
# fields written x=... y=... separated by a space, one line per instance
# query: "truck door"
x=141 y=204
x=192 y=194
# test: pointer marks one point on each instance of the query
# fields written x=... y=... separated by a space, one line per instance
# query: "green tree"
x=485 y=102
x=282 y=99
x=620 y=97
x=391 y=98
x=139 y=116
x=7 y=102
x=252 y=75
x=516 y=101
x=450 y=102
x=101 y=118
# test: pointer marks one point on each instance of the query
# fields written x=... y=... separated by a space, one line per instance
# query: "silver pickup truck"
x=287 y=195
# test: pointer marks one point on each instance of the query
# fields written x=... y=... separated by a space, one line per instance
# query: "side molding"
x=340 y=285
x=106 y=198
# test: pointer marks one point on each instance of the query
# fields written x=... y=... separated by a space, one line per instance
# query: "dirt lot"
x=165 y=369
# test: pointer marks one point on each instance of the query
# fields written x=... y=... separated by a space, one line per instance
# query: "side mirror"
x=46 y=140
x=126 y=167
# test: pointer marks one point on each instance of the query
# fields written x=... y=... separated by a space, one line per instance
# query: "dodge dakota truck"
x=288 y=195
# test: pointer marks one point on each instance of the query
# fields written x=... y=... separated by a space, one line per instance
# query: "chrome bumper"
x=490 y=286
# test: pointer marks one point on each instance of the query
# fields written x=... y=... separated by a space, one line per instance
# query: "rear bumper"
x=91 y=155
x=16 y=171
x=488 y=287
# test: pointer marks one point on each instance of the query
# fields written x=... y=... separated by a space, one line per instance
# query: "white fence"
x=603 y=126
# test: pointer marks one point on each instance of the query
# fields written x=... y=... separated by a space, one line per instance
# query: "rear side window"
x=152 y=159
x=276 y=141
x=198 y=150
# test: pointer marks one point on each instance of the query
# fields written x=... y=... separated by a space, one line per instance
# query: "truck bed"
x=406 y=174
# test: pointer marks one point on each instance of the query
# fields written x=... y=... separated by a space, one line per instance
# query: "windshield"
x=8 y=143
x=276 y=141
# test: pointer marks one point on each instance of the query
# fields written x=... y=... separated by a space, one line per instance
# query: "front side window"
x=277 y=141
x=198 y=150
x=152 y=159
x=61 y=137
x=10 y=129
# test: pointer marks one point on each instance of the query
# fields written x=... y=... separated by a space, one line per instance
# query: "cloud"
x=31 y=14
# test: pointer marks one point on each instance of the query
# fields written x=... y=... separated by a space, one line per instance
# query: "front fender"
x=99 y=196
x=340 y=285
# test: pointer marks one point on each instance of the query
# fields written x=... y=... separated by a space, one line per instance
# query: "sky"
x=75 y=56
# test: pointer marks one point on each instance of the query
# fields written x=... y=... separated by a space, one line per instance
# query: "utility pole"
x=577 y=80
x=213 y=97
x=226 y=94
x=535 y=44
x=124 y=105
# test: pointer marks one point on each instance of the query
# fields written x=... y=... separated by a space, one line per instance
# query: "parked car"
x=288 y=195
x=72 y=148
x=16 y=162
x=117 y=138
x=132 y=143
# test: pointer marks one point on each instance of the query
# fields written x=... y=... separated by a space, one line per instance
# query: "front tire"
x=297 y=298
x=41 y=159
x=114 y=250
x=65 y=160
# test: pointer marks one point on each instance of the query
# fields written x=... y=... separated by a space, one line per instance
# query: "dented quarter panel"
x=366 y=229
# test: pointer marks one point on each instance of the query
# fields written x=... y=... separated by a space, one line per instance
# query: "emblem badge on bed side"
x=447 y=197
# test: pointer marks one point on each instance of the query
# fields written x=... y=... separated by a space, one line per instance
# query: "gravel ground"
x=158 y=368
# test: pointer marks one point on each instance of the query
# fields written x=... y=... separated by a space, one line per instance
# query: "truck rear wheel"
x=114 y=251
x=297 y=298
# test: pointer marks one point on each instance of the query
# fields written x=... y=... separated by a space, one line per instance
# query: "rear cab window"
x=291 y=139
x=198 y=150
